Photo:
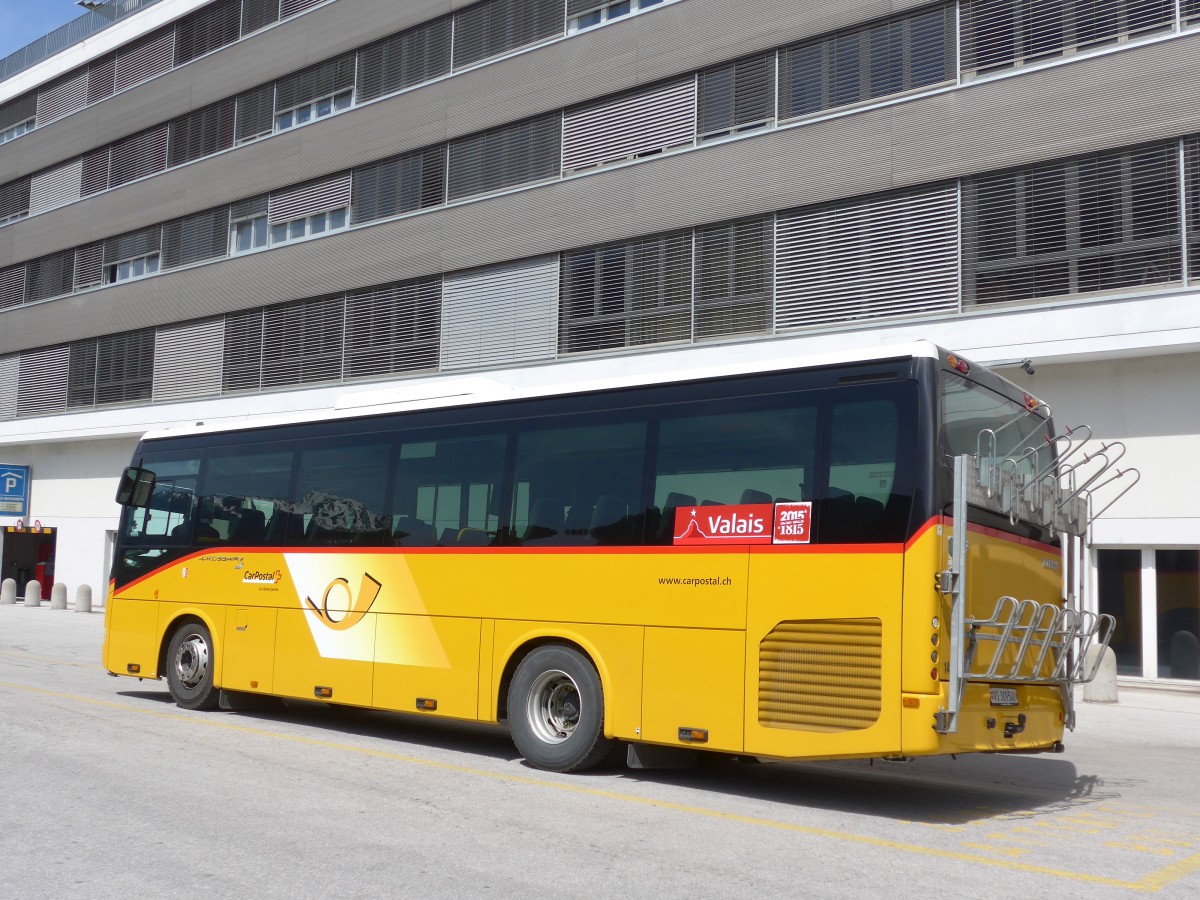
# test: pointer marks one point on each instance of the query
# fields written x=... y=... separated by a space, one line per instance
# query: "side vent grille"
x=820 y=675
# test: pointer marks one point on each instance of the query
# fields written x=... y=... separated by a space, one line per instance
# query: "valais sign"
x=752 y=523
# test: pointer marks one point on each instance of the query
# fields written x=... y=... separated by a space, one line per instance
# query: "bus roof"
x=587 y=376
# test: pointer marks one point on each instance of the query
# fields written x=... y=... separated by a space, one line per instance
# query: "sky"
x=24 y=21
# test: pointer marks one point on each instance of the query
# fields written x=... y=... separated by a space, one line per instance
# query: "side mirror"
x=136 y=487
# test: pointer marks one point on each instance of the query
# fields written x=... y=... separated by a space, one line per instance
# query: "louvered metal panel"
x=81 y=374
x=736 y=96
x=393 y=328
x=295 y=7
x=821 y=675
x=133 y=244
x=255 y=114
x=1101 y=222
x=630 y=126
x=138 y=156
x=187 y=360
x=195 y=238
x=889 y=255
x=321 y=80
x=102 y=78
x=49 y=276
x=201 y=133
x=125 y=367
x=144 y=58
x=627 y=294
x=309 y=199
x=734 y=276
x=1192 y=199
x=1002 y=33
x=402 y=60
x=246 y=209
x=10 y=371
x=875 y=60
x=95 y=171
x=302 y=342
x=22 y=109
x=497 y=26
x=89 y=266
x=62 y=97
x=207 y=29
x=14 y=199
x=258 y=14
x=512 y=154
x=399 y=185
x=242 y=351
x=12 y=286
x=575 y=7
x=501 y=315
x=42 y=381
x=55 y=187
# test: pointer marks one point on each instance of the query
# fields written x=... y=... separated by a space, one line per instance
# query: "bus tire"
x=190 y=667
x=556 y=710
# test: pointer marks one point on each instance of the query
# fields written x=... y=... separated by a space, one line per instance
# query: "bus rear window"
x=979 y=421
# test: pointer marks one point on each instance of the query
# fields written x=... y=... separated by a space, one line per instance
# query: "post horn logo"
x=347 y=610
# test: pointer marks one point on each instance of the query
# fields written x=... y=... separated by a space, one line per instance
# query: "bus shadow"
x=491 y=741
x=932 y=790
x=940 y=791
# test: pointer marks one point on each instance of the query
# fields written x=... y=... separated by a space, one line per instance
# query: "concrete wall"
x=1148 y=403
x=72 y=491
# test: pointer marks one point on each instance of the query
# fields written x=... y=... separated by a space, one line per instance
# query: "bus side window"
x=340 y=492
x=247 y=489
x=753 y=451
x=579 y=485
x=869 y=485
x=447 y=490
x=169 y=516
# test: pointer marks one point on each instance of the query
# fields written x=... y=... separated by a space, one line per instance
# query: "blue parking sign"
x=14 y=490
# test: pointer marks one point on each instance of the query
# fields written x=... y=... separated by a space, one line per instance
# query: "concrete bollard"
x=33 y=594
x=58 y=596
x=1102 y=688
x=83 y=598
x=8 y=592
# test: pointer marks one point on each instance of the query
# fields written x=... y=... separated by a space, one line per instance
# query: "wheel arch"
x=183 y=617
x=528 y=644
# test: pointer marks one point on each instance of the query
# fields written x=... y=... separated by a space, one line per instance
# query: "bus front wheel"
x=556 y=710
x=190 y=667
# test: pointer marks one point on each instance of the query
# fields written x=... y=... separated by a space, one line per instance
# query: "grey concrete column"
x=83 y=598
x=33 y=594
x=58 y=596
x=1102 y=688
x=8 y=592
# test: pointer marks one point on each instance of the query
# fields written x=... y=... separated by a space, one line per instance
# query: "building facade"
x=214 y=210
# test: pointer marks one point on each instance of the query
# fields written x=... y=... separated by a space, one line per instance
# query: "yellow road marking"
x=1155 y=881
x=20 y=654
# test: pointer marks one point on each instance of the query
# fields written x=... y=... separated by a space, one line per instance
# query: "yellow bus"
x=756 y=562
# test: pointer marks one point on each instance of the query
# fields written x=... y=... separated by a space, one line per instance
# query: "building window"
x=1095 y=223
x=871 y=61
x=308 y=226
x=314 y=109
x=15 y=131
x=128 y=269
x=250 y=234
x=1177 y=590
x=627 y=294
x=583 y=17
x=999 y=34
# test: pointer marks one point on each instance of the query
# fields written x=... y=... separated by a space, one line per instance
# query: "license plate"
x=1004 y=696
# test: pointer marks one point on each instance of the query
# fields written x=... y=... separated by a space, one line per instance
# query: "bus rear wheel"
x=190 y=667
x=556 y=710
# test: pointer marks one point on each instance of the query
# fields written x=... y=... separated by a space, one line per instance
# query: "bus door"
x=823 y=638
